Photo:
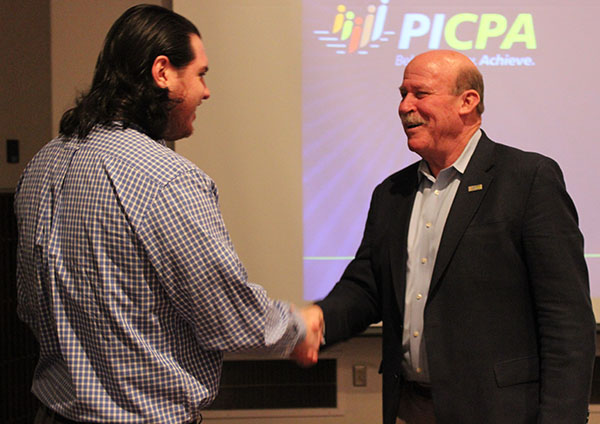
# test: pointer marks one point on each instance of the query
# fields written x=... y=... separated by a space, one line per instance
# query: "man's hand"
x=306 y=353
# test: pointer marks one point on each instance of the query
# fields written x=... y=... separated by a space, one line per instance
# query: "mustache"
x=409 y=120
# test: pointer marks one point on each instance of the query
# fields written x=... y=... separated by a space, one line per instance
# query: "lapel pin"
x=475 y=187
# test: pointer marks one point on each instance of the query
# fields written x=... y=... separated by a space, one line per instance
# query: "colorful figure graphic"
x=360 y=31
x=368 y=26
x=348 y=25
x=339 y=19
x=355 y=38
x=380 y=20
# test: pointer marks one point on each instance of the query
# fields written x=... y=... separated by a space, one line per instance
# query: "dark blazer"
x=509 y=327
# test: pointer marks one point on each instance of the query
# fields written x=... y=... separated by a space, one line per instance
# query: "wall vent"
x=277 y=384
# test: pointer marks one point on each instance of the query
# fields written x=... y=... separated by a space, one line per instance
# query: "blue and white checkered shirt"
x=129 y=280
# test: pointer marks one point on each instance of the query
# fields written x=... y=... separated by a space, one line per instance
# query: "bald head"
x=449 y=58
x=456 y=67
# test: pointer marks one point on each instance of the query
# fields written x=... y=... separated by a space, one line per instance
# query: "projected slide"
x=540 y=64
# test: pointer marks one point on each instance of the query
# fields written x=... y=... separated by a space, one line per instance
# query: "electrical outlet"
x=12 y=151
x=359 y=375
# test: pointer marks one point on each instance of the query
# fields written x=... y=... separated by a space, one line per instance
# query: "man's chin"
x=178 y=134
x=415 y=144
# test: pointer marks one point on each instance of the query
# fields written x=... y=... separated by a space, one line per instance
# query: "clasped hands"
x=306 y=352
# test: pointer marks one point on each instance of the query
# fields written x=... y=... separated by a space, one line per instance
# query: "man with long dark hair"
x=126 y=272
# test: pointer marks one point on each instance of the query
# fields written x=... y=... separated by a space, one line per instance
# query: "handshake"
x=306 y=352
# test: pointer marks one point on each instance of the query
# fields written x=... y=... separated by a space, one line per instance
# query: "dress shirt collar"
x=139 y=129
x=460 y=164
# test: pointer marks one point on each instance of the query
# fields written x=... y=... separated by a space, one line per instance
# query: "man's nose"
x=406 y=105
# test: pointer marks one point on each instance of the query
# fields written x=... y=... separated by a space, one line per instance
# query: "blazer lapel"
x=472 y=189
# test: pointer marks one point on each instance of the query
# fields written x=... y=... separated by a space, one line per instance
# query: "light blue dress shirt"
x=432 y=204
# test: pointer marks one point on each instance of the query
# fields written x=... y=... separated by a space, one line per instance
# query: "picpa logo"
x=481 y=27
x=349 y=32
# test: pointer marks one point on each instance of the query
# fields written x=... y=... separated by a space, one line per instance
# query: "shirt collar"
x=459 y=164
x=139 y=129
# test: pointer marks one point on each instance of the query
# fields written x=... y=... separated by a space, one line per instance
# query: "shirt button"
x=419 y=296
x=423 y=260
x=436 y=192
x=428 y=225
x=416 y=334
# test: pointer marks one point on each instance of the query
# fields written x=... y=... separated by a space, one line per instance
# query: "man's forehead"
x=427 y=75
x=197 y=46
x=409 y=85
x=417 y=80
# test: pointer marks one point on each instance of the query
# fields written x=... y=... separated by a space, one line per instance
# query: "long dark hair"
x=123 y=88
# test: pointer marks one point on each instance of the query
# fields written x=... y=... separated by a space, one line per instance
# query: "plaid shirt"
x=128 y=278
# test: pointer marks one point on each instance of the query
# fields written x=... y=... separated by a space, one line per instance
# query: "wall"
x=78 y=31
x=44 y=72
x=248 y=134
x=248 y=139
x=25 y=87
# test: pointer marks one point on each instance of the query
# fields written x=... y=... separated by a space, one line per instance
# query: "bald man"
x=473 y=259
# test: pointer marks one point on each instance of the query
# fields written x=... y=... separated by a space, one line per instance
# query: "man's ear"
x=470 y=100
x=162 y=71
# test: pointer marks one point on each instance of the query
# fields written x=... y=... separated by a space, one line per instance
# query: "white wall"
x=248 y=139
x=248 y=134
